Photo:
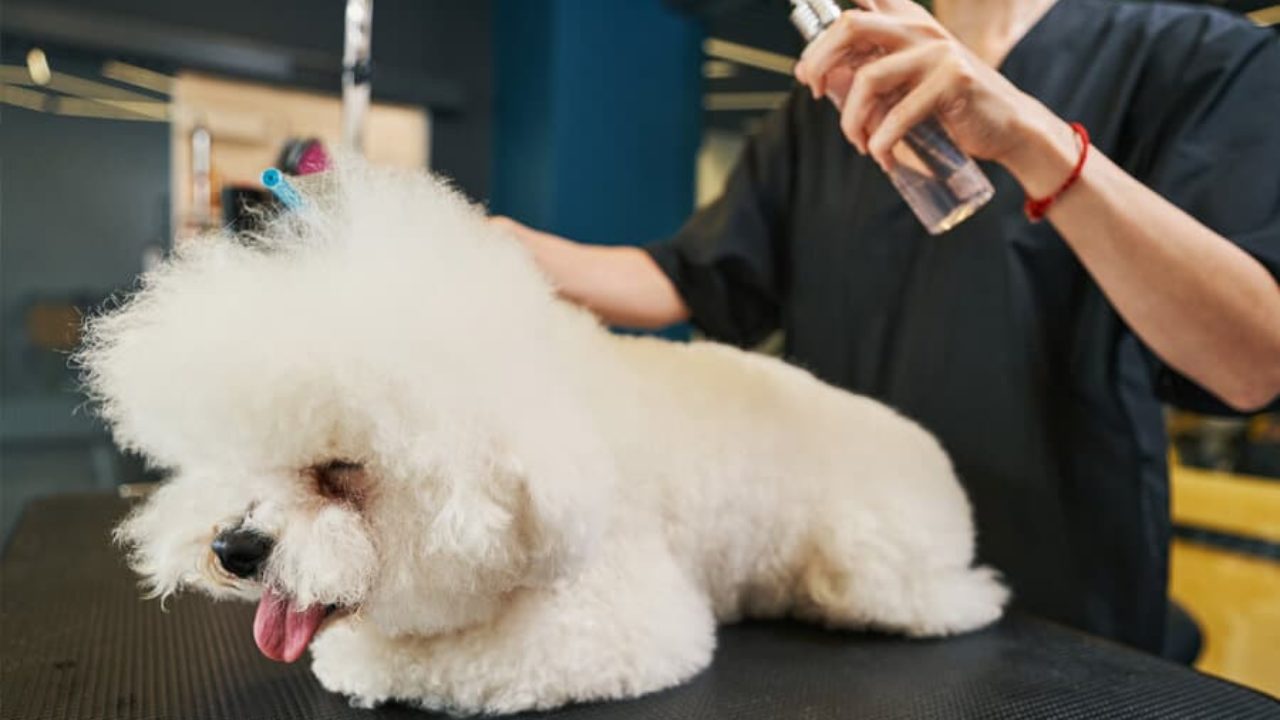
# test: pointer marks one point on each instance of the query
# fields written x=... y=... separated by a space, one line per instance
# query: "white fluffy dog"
x=383 y=425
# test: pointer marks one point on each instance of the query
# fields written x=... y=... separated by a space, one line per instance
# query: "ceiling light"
x=38 y=67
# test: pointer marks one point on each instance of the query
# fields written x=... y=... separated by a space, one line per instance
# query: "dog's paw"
x=349 y=664
x=960 y=601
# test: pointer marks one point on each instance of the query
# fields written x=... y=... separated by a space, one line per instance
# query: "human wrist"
x=1044 y=155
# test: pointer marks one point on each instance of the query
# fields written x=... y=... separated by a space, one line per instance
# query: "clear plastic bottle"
x=942 y=185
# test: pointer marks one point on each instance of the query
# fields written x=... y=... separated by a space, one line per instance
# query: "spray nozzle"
x=811 y=17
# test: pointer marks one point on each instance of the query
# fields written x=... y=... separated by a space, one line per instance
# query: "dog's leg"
x=631 y=624
x=871 y=579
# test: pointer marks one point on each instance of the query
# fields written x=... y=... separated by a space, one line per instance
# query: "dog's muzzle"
x=242 y=552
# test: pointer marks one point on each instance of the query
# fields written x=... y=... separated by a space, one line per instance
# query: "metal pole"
x=201 y=178
x=357 y=72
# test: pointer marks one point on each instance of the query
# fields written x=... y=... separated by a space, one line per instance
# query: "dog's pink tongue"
x=281 y=632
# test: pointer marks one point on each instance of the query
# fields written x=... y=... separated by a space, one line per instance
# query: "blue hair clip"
x=275 y=181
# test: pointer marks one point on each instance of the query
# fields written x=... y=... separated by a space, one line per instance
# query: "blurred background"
x=127 y=126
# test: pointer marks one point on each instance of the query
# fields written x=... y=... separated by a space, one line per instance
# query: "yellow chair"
x=1235 y=596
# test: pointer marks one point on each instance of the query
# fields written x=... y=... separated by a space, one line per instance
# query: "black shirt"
x=993 y=335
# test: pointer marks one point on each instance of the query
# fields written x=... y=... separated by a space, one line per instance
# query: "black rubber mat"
x=79 y=643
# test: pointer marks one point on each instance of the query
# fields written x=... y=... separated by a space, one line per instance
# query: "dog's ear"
x=535 y=513
x=167 y=535
x=147 y=537
x=562 y=505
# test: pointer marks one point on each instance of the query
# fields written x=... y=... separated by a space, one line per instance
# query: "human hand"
x=525 y=234
x=912 y=67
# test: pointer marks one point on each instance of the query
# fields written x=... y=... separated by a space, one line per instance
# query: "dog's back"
x=749 y=463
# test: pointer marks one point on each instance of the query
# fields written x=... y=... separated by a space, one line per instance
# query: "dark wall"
x=460 y=41
x=430 y=52
x=597 y=117
x=81 y=201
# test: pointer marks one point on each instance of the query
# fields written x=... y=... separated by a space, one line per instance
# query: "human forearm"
x=620 y=284
x=1206 y=307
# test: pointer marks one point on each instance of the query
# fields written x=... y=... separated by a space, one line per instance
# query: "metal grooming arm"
x=357 y=72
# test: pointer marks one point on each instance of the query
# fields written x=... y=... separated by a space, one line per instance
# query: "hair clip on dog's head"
x=285 y=192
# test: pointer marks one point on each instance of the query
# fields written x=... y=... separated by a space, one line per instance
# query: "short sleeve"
x=1210 y=118
x=726 y=261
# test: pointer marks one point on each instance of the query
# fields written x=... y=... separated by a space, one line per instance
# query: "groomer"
x=1039 y=352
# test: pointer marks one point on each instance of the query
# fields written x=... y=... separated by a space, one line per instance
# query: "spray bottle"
x=942 y=185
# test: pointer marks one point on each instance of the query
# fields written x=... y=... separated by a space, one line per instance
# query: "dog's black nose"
x=241 y=551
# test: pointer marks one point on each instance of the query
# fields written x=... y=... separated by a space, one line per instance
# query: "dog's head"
x=373 y=407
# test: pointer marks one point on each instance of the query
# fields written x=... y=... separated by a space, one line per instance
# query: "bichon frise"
x=463 y=493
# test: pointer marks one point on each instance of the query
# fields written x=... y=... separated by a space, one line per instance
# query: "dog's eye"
x=339 y=480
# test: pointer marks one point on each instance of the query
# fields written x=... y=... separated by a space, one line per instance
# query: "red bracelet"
x=1036 y=208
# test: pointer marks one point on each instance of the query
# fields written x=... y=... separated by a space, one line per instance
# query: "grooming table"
x=79 y=643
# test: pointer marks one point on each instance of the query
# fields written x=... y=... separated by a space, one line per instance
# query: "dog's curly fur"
x=540 y=512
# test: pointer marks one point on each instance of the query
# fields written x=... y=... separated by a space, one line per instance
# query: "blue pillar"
x=597 y=117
